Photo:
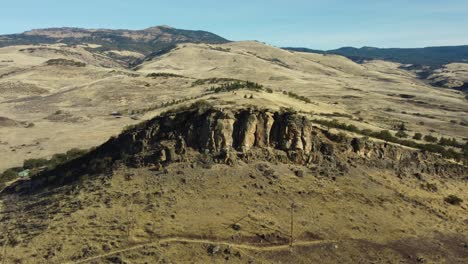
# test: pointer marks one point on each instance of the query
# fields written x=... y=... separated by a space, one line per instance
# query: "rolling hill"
x=174 y=146
x=429 y=56
x=124 y=45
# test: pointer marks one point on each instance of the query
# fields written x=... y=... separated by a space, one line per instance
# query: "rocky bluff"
x=231 y=136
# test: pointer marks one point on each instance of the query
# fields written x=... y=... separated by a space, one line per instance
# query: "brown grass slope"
x=375 y=95
x=181 y=190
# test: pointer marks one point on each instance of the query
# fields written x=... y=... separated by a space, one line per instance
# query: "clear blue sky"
x=321 y=24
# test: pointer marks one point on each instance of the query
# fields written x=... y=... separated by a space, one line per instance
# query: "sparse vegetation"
x=452 y=142
x=401 y=134
x=336 y=114
x=164 y=74
x=453 y=200
x=388 y=136
x=65 y=62
x=9 y=175
x=417 y=136
x=430 y=138
x=214 y=81
x=298 y=97
x=200 y=105
x=37 y=165
x=220 y=49
x=237 y=85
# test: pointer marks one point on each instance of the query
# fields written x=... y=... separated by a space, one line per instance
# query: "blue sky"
x=316 y=24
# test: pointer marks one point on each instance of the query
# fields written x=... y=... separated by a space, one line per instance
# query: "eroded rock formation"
x=230 y=136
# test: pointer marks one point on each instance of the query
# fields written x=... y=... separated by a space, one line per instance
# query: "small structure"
x=24 y=173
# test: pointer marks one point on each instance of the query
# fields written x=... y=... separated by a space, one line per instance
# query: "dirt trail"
x=247 y=246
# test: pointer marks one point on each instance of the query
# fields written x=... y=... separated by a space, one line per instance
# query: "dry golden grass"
x=369 y=93
x=180 y=215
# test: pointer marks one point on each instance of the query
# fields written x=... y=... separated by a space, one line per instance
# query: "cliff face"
x=244 y=131
x=231 y=136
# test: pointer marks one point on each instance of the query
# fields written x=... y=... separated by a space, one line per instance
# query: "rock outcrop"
x=229 y=136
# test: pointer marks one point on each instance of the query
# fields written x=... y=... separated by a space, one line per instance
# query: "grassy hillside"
x=430 y=56
x=145 y=41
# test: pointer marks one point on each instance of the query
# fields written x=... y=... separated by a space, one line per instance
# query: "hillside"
x=124 y=45
x=438 y=66
x=173 y=146
x=64 y=92
x=206 y=184
x=430 y=56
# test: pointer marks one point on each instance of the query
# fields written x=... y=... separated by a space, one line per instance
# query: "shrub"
x=237 y=85
x=417 y=136
x=75 y=153
x=100 y=165
x=339 y=138
x=298 y=97
x=430 y=138
x=366 y=132
x=65 y=62
x=453 y=200
x=34 y=163
x=384 y=135
x=163 y=74
x=387 y=136
x=449 y=142
x=431 y=187
x=401 y=127
x=10 y=174
x=401 y=134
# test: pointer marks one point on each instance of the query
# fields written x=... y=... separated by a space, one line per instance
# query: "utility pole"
x=291 y=238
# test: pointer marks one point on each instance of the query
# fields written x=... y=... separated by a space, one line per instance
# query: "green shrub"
x=163 y=74
x=449 y=142
x=417 y=136
x=10 y=174
x=401 y=127
x=387 y=136
x=339 y=138
x=34 y=163
x=430 y=138
x=384 y=135
x=453 y=200
x=401 y=134
x=366 y=132
x=298 y=97
x=65 y=62
x=237 y=85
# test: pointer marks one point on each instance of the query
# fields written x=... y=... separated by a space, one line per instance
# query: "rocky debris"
x=248 y=135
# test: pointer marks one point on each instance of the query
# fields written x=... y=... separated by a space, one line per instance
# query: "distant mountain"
x=147 y=41
x=430 y=56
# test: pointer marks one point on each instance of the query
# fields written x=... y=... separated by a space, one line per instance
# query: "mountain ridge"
x=434 y=56
x=146 y=41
